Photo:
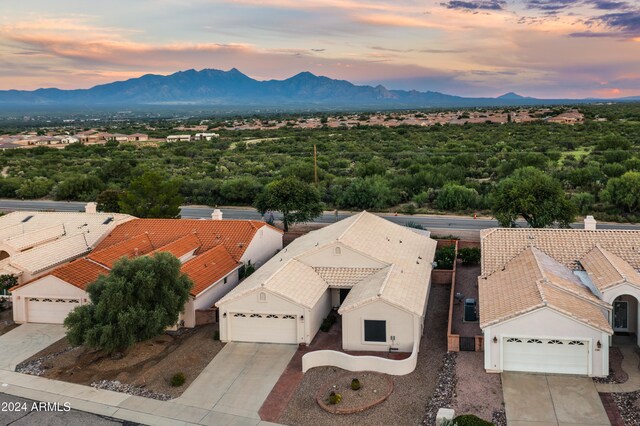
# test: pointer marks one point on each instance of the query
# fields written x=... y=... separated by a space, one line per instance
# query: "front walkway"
x=538 y=399
x=25 y=341
x=631 y=366
x=228 y=392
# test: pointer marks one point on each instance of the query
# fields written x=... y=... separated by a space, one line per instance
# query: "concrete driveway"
x=538 y=399
x=26 y=341
x=238 y=380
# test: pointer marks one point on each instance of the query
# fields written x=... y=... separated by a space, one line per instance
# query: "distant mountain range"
x=211 y=87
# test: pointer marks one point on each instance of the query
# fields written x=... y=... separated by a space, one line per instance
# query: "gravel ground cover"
x=629 y=405
x=6 y=321
x=477 y=392
x=616 y=373
x=373 y=387
x=148 y=365
x=116 y=386
x=407 y=404
x=444 y=393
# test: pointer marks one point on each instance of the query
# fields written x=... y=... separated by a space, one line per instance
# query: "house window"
x=337 y=251
x=375 y=331
x=262 y=297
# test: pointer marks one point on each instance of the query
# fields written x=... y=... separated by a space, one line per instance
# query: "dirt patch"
x=407 y=404
x=6 y=321
x=149 y=364
x=477 y=392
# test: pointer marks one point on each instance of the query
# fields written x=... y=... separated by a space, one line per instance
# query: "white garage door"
x=264 y=328
x=49 y=311
x=546 y=355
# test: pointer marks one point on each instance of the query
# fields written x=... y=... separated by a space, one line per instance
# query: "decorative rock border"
x=336 y=409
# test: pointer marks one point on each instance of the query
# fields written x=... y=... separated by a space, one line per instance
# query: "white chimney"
x=590 y=223
x=216 y=215
x=91 y=208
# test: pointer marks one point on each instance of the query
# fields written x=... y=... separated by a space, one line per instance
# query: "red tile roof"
x=80 y=273
x=137 y=246
x=235 y=235
x=208 y=268
x=181 y=246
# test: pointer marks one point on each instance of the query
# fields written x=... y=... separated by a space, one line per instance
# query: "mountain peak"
x=511 y=95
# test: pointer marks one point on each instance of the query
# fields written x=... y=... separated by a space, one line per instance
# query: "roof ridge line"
x=386 y=279
x=96 y=262
x=358 y=217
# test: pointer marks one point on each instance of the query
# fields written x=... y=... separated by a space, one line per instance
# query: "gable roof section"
x=407 y=284
x=80 y=273
x=368 y=291
x=136 y=246
x=344 y=277
x=567 y=246
x=33 y=238
x=533 y=280
x=208 y=268
x=234 y=235
x=607 y=270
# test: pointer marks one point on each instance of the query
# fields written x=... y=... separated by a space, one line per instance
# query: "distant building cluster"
x=189 y=138
x=32 y=139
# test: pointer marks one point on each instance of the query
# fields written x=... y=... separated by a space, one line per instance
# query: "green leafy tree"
x=454 y=197
x=6 y=282
x=152 y=195
x=242 y=189
x=624 y=192
x=37 y=187
x=137 y=301
x=109 y=201
x=373 y=192
x=9 y=186
x=533 y=195
x=298 y=201
x=78 y=187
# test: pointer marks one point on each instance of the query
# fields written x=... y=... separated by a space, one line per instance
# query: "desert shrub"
x=414 y=225
x=471 y=420
x=445 y=256
x=327 y=323
x=469 y=255
x=334 y=398
x=178 y=379
x=355 y=384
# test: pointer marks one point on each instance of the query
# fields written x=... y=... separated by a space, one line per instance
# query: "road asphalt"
x=204 y=212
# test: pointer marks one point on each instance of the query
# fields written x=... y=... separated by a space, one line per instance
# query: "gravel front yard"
x=406 y=405
x=477 y=392
x=148 y=365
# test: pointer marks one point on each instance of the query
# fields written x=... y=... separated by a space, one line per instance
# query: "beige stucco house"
x=550 y=300
x=374 y=273
x=212 y=253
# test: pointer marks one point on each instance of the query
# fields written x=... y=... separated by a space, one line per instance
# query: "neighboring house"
x=179 y=138
x=550 y=300
x=33 y=243
x=375 y=273
x=205 y=136
x=139 y=137
x=212 y=253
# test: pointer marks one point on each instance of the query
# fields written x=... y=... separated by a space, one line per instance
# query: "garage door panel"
x=546 y=355
x=264 y=328
x=50 y=310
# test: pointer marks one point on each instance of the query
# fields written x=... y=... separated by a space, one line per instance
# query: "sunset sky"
x=542 y=48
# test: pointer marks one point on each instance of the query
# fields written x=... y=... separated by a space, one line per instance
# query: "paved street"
x=197 y=212
x=16 y=411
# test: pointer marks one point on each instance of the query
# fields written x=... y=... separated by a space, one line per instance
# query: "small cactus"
x=355 y=384
x=334 y=398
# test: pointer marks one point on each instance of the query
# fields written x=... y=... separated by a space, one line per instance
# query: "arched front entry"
x=625 y=316
x=3 y=255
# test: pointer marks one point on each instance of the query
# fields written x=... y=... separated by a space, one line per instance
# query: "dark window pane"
x=375 y=331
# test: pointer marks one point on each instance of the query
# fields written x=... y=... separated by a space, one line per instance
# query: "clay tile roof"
x=234 y=235
x=344 y=277
x=533 y=280
x=208 y=268
x=181 y=246
x=132 y=247
x=567 y=246
x=80 y=273
x=607 y=270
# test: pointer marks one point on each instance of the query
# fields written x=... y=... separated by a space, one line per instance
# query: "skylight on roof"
x=108 y=220
x=27 y=219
